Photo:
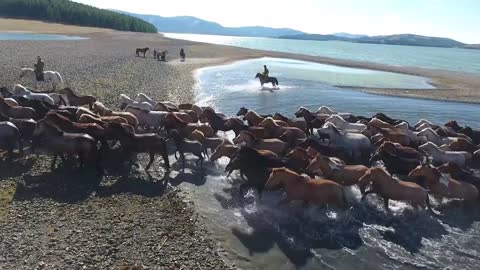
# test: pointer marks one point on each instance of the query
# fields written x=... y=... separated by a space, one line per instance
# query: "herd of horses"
x=312 y=156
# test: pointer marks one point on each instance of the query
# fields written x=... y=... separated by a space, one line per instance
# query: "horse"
x=188 y=146
x=444 y=185
x=326 y=110
x=357 y=144
x=433 y=137
x=131 y=143
x=53 y=77
x=141 y=50
x=274 y=145
x=96 y=131
x=297 y=122
x=77 y=100
x=276 y=130
x=264 y=80
x=458 y=173
x=345 y=175
x=9 y=136
x=126 y=100
x=17 y=112
x=339 y=122
x=25 y=126
x=54 y=141
x=173 y=121
x=208 y=143
x=303 y=188
x=215 y=121
x=255 y=166
x=383 y=184
x=20 y=90
x=238 y=126
x=441 y=156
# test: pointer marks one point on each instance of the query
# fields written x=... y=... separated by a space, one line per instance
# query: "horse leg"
x=371 y=191
x=152 y=158
x=385 y=204
x=52 y=165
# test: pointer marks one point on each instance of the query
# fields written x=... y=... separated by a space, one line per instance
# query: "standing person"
x=265 y=72
x=39 y=68
x=182 y=54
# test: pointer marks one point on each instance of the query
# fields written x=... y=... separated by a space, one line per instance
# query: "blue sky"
x=458 y=19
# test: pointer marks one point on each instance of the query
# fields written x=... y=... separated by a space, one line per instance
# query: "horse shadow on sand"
x=297 y=230
x=69 y=184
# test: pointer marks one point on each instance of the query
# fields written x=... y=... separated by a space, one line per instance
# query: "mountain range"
x=193 y=25
x=401 y=39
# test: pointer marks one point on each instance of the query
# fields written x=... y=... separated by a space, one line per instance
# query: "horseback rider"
x=39 y=68
x=265 y=72
x=182 y=54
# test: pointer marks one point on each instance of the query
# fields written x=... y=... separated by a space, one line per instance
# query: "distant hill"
x=472 y=46
x=68 y=12
x=348 y=35
x=193 y=25
x=403 y=39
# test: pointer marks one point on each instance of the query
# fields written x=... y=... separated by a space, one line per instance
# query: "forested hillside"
x=68 y=12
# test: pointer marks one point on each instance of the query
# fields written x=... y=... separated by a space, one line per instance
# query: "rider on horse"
x=265 y=72
x=39 y=68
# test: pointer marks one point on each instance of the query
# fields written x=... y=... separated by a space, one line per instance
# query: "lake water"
x=33 y=36
x=260 y=234
x=426 y=57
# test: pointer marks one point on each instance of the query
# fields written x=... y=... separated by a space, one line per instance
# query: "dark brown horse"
x=141 y=50
x=264 y=80
x=139 y=143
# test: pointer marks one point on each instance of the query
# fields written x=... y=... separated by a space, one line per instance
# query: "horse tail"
x=59 y=77
x=276 y=81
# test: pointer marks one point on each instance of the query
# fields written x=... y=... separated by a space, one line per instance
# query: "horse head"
x=259 y=76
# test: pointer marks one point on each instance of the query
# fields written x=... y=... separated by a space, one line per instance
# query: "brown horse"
x=274 y=145
x=298 y=123
x=346 y=175
x=298 y=159
x=17 y=112
x=53 y=141
x=458 y=173
x=237 y=125
x=302 y=188
x=388 y=188
x=141 y=50
x=462 y=144
x=444 y=185
x=277 y=130
x=96 y=131
x=78 y=100
x=139 y=143
x=172 y=121
x=25 y=126
x=215 y=121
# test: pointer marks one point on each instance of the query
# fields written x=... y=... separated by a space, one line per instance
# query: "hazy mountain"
x=403 y=39
x=348 y=35
x=188 y=24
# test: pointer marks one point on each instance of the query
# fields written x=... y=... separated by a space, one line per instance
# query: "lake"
x=34 y=36
x=453 y=59
x=260 y=234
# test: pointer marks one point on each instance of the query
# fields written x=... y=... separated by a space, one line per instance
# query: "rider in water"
x=39 y=68
x=265 y=72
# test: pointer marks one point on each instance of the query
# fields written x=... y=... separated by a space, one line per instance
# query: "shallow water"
x=33 y=36
x=259 y=234
x=395 y=55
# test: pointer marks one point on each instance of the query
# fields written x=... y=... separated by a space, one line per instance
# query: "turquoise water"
x=426 y=57
x=260 y=234
x=32 y=36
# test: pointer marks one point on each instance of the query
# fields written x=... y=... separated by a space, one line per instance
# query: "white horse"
x=20 y=90
x=53 y=77
x=433 y=137
x=358 y=144
x=423 y=123
x=142 y=105
x=441 y=156
x=326 y=110
x=344 y=125
x=144 y=98
x=414 y=137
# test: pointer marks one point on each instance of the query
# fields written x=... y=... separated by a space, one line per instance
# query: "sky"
x=457 y=19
